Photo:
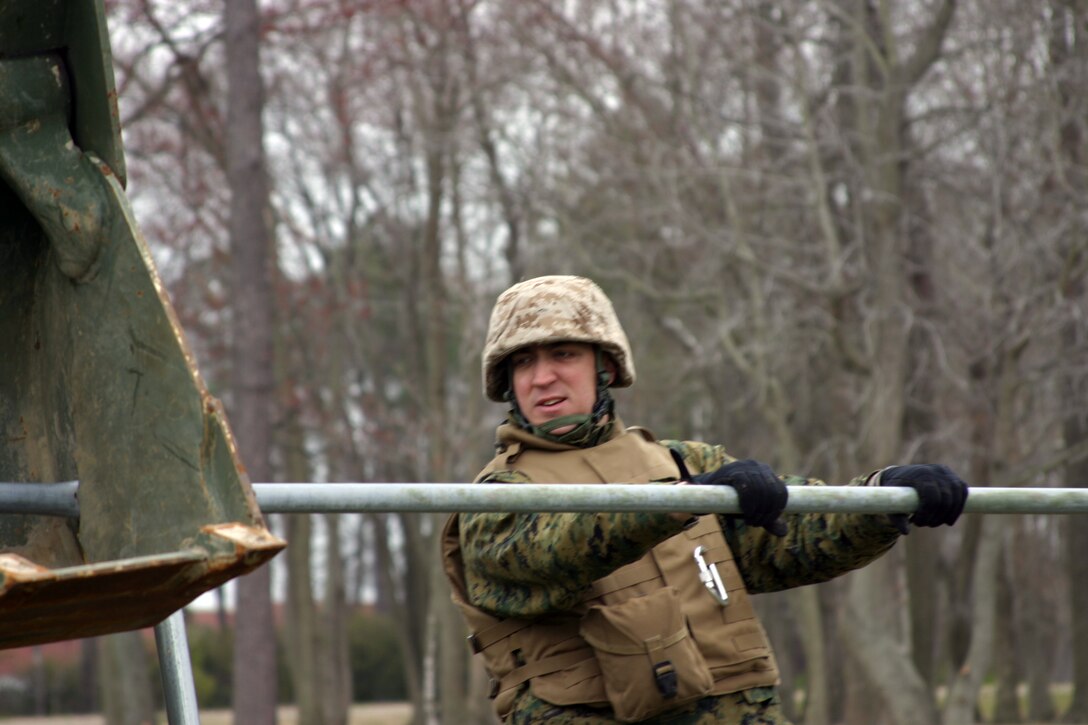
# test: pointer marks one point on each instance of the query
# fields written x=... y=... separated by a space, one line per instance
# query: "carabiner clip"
x=711 y=579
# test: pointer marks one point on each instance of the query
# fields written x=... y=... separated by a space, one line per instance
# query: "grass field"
x=399 y=713
x=391 y=713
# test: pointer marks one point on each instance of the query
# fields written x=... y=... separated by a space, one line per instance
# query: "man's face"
x=554 y=380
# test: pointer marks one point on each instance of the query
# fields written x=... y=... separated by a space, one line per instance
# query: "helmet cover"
x=544 y=310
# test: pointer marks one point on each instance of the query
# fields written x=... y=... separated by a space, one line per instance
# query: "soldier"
x=634 y=617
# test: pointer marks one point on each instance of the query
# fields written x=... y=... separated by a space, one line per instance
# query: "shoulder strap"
x=504 y=460
x=646 y=433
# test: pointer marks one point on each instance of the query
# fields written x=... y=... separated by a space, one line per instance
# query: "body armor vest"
x=645 y=638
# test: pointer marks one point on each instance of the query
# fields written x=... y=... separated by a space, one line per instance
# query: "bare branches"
x=816 y=219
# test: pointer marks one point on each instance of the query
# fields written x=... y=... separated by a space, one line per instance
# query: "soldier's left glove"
x=941 y=493
x=762 y=494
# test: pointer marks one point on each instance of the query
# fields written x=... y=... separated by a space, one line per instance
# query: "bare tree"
x=126 y=684
x=255 y=685
x=840 y=233
x=1068 y=50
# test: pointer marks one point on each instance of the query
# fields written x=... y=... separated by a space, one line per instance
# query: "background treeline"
x=63 y=682
x=840 y=234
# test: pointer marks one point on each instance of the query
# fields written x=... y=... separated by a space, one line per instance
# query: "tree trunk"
x=963 y=693
x=1037 y=624
x=869 y=630
x=1075 y=429
x=924 y=570
x=126 y=688
x=832 y=597
x=39 y=681
x=88 y=675
x=805 y=604
x=997 y=431
x=1068 y=46
x=335 y=654
x=300 y=631
x=255 y=687
x=452 y=653
x=402 y=602
x=1076 y=545
x=437 y=98
x=1006 y=701
x=886 y=77
x=315 y=634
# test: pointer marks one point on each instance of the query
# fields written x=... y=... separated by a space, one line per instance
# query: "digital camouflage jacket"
x=533 y=565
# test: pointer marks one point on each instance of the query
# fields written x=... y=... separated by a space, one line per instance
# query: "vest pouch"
x=648 y=659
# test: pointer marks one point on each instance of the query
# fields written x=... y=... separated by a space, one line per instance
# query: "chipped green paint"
x=74 y=30
x=58 y=183
x=96 y=381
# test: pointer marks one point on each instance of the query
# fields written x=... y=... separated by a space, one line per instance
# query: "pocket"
x=648 y=659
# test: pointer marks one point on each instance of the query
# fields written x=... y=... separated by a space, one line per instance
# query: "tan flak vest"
x=646 y=638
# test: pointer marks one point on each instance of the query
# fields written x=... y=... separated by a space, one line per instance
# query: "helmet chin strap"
x=589 y=429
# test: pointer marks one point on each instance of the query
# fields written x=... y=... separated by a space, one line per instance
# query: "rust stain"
x=18 y=568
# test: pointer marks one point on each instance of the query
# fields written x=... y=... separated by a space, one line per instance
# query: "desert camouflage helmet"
x=556 y=308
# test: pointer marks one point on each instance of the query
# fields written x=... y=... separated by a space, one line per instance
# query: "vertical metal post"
x=179 y=692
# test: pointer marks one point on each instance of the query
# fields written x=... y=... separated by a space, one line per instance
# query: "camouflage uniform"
x=531 y=565
x=758 y=706
x=523 y=565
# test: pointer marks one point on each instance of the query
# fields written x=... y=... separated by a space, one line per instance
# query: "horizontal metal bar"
x=526 y=497
x=60 y=499
x=45 y=499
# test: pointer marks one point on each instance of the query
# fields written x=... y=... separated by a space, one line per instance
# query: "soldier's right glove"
x=941 y=493
x=762 y=494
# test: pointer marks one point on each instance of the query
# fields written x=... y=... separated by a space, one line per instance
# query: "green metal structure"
x=96 y=381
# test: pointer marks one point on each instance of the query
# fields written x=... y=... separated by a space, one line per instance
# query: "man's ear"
x=611 y=370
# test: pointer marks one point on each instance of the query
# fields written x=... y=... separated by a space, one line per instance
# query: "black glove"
x=761 y=493
x=941 y=494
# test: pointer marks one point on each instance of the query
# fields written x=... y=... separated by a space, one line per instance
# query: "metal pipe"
x=45 y=499
x=60 y=499
x=179 y=691
x=525 y=497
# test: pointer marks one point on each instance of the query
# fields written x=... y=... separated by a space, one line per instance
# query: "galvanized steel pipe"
x=61 y=499
x=526 y=497
x=45 y=499
x=179 y=690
